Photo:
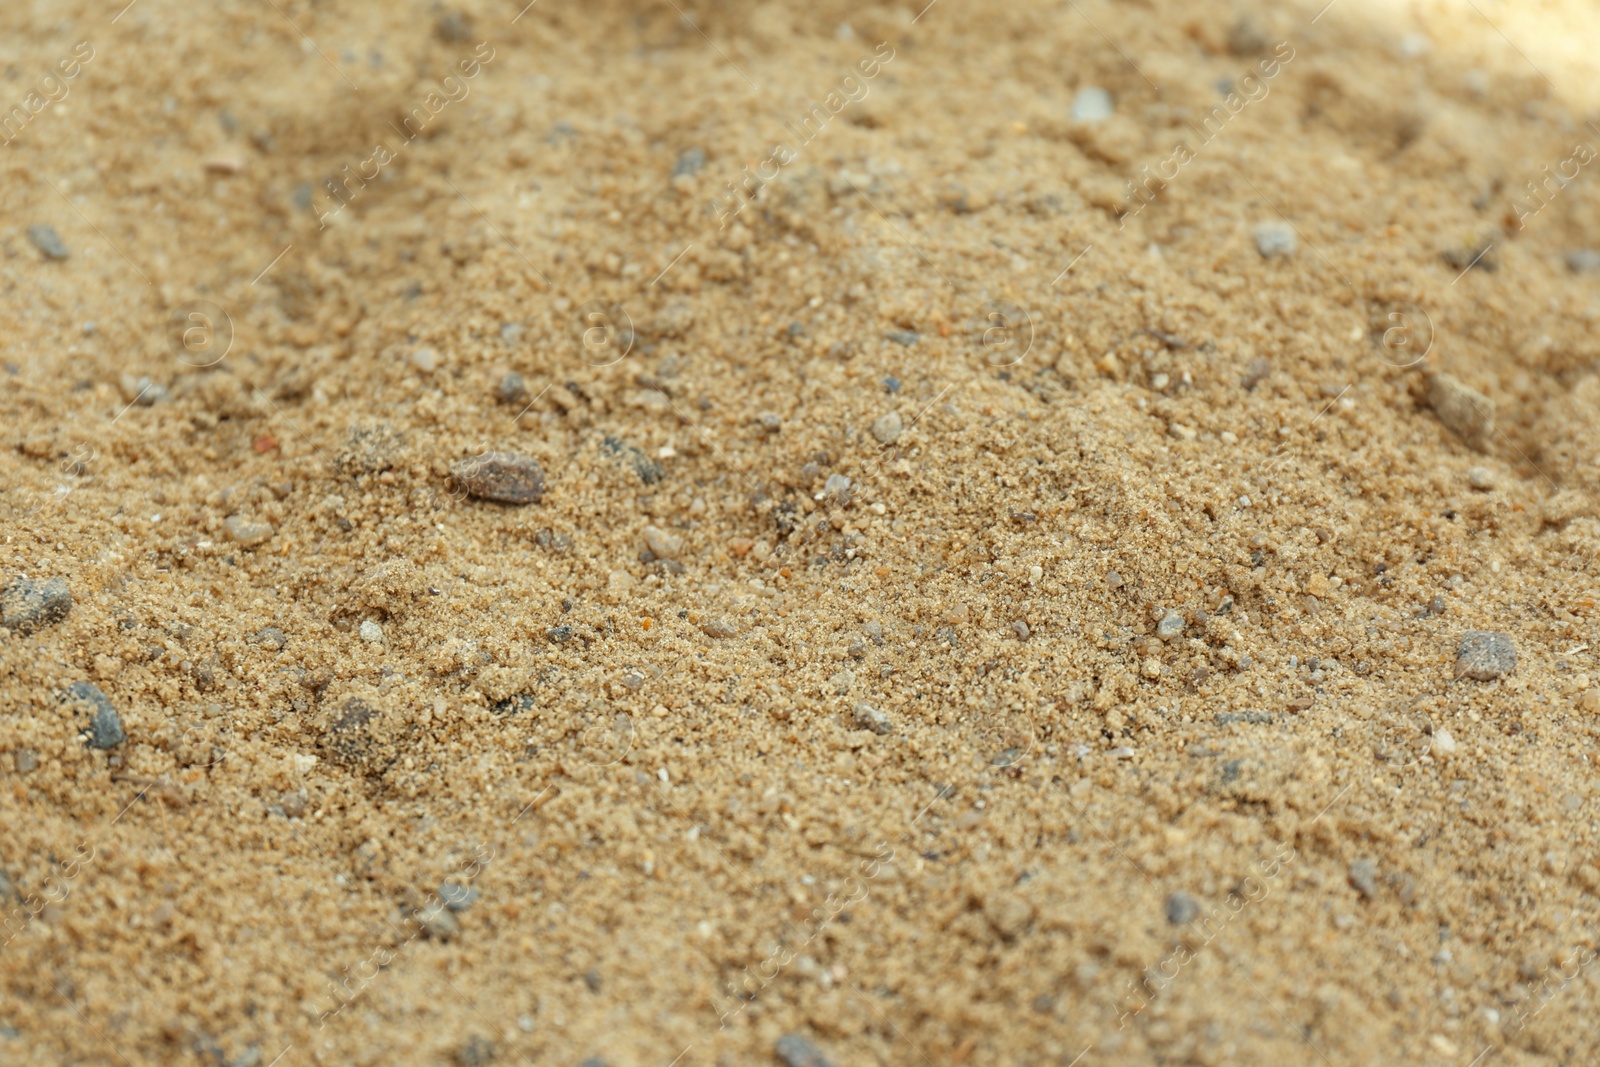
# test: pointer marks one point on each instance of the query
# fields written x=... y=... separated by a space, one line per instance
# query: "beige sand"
x=902 y=768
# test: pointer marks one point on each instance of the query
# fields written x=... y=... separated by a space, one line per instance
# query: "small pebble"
x=1247 y=37
x=560 y=634
x=1113 y=580
x=1364 y=877
x=371 y=633
x=1170 y=626
x=1584 y=261
x=458 y=897
x=27 y=605
x=867 y=717
x=1255 y=373
x=46 y=240
x=271 y=637
x=105 y=725
x=425 y=360
x=662 y=543
x=1466 y=412
x=504 y=477
x=1181 y=908
x=891 y=384
x=1484 y=655
x=886 y=428
x=1275 y=239
x=438 y=921
x=1444 y=746
x=1091 y=104
x=247 y=533
x=1020 y=628
x=902 y=337
x=769 y=422
x=718 y=628
x=1480 y=478
x=796 y=1051
x=689 y=162
x=836 y=484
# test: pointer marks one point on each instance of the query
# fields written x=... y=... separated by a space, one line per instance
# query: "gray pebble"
x=1247 y=37
x=1364 y=877
x=1091 y=104
x=1583 y=261
x=1484 y=655
x=1275 y=239
x=105 y=725
x=867 y=717
x=836 y=484
x=769 y=422
x=458 y=897
x=504 y=477
x=649 y=471
x=477 y=1052
x=560 y=634
x=271 y=637
x=1170 y=626
x=891 y=384
x=1255 y=373
x=903 y=337
x=46 y=240
x=1466 y=412
x=1181 y=908
x=512 y=389
x=1020 y=628
x=690 y=162
x=438 y=921
x=796 y=1051
x=886 y=428
x=27 y=605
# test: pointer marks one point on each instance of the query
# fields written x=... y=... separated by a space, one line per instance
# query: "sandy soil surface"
x=1037 y=534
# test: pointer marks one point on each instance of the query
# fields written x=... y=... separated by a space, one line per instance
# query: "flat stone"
x=886 y=428
x=718 y=628
x=867 y=717
x=1275 y=239
x=1363 y=876
x=1464 y=411
x=504 y=477
x=85 y=700
x=458 y=897
x=247 y=533
x=796 y=1051
x=27 y=605
x=662 y=543
x=46 y=240
x=1485 y=655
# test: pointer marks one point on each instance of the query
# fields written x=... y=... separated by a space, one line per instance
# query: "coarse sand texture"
x=930 y=534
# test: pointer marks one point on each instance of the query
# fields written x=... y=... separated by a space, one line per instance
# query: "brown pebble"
x=1466 y=412
x=1485 y=655
x=741 y=546
x=504 y=477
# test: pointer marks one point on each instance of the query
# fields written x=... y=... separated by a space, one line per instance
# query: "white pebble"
x=663 y=544
x=886 y=428
x=425 y=360
x=1092 y=104
x=1275 y=239
x=1444 y=746
x=372 y=633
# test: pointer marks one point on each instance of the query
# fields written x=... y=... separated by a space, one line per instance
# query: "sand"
x=1002 y=553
